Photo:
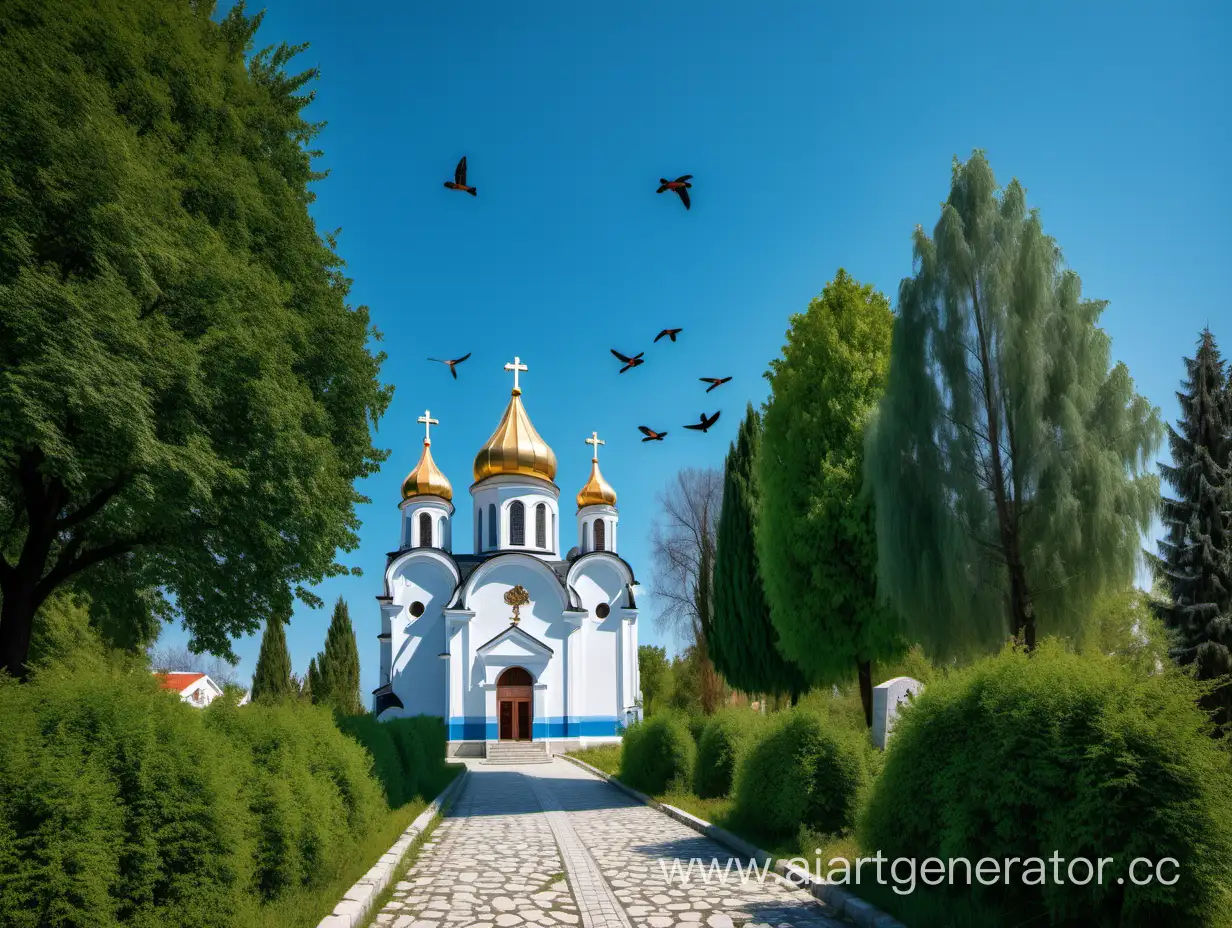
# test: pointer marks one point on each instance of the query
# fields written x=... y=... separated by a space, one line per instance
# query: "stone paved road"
x=551 y=846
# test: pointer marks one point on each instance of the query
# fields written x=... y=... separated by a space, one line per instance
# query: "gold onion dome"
x=597 y=492
x=515 y=447
x=426 y=479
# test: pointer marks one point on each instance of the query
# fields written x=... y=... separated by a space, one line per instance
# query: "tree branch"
x=93 y=507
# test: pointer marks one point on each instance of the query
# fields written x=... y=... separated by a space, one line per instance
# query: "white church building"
x=515 y=641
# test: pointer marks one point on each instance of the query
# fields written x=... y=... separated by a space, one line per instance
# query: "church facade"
x=512 y=642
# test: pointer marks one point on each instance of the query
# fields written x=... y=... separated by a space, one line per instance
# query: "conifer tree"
x=271 y=682
x=313 y=687
x=743 y=641
x=338 y=667
x=1195 y=555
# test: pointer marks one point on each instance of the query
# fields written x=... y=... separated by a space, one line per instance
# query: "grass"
x=308 y=905
x=605 y=757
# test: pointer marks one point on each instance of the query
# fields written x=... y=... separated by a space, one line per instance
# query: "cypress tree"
x=272 y=680
x=312 y=682
x=1195 y=555
x=743 y=641
x=338 y=668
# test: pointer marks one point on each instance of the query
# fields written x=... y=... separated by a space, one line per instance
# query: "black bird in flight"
x=670 y=333
x=629 y=362
x=703 y=424
x=714 y=382
x=452 y=365
x=459 y=179
x=681 y=185
x=651 y=434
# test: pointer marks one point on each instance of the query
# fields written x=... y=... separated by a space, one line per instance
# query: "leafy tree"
x=1007 y=459
x=272 y=680
x=815 y=536
x=1195 y=555
x=187 y=393
x=654 y=675
x=338 y=665
x=743 y=641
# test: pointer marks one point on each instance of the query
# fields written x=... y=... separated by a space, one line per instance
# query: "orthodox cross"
x=596 y=441
x=427 y=421
x=516 y=366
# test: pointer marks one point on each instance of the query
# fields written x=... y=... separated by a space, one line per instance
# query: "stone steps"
x=518 y=752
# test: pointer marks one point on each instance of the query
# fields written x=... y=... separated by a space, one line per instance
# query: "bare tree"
x=178 y=659
x=682 y=549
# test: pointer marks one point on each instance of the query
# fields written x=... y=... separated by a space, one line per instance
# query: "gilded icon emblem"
x=517 y=597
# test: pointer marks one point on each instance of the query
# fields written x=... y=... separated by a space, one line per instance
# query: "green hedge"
x=724 y=740
x=121 y=805
x=1022 y=756
x=658 y=754
x=803 y=771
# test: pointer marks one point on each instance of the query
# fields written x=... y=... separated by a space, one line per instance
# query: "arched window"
x=425 y=530
x=517 y=523
x=585 y=537
x=553 y=530
x=541 y=525
x=492 y=525
x=599 y=535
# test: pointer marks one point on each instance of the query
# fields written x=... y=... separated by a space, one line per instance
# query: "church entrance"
x=513 y=704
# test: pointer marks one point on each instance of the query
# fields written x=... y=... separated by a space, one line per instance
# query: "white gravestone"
x=887 y=698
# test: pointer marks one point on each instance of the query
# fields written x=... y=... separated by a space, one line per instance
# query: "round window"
x=417 y=608
x=603 y=610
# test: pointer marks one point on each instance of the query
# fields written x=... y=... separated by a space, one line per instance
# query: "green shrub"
x=657 y=754
x=802 y=771
x=696 y=722
x=725 y=738
x=1021 y=756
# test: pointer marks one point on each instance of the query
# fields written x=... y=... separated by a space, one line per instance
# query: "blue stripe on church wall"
x=478 y=728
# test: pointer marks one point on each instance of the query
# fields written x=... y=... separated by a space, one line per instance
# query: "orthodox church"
x=513 y=642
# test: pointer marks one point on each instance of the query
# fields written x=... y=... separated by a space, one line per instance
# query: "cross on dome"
x=596 y=441
x=427 y=422
x=516 y=366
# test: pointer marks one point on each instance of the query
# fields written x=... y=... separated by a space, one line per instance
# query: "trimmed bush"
x=658 y=754
x=803 y=772
x=724 y=740
x=1020 y=756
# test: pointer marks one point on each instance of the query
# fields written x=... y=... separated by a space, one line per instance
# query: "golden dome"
x=515 y=447
x=597 y=492
x=426 y=479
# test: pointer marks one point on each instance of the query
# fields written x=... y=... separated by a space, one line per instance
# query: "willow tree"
x=743 y=642
x=815 y=532
x=1008 y=458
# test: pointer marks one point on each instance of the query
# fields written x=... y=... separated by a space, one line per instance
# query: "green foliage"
x=1126 y=625
x=1195 y=555
x=802 y=771
x=1007 y=458
x=337 y=682
x=654 y=672
x=658 y=754
x=815 y=534
x=1023 y=755
x=187 y=394
x=119 y=804
x=723 y=741
x=743 y=642
x=272 y=680
x=408 y=754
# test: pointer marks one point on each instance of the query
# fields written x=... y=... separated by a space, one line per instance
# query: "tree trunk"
x=16 y=624
x=795 y=698
x=865 y=670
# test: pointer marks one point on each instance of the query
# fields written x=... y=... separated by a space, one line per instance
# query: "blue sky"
x=818 y=138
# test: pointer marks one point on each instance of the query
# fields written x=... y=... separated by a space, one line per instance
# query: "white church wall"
x=417 y=672
x=501 y=492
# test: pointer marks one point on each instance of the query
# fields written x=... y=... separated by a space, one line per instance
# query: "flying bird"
x=703 y=424
x=714 y=382
x=651 y=434
x=629 y=362
x=459 y=179
x=452 y=365
x=670 y=333
x=680 y=185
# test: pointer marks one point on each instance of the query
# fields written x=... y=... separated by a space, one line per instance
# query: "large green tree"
x=655 y=676
x=743 y=641
x=272 y=680
x=337 y=682
x=815 y=535
x=1195 y=554
x=186 y=394
x=1008 y=458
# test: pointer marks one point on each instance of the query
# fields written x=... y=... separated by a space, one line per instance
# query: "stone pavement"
x=550 y=846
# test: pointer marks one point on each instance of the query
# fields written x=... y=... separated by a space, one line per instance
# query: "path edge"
x=357 y=901
x=843 y=902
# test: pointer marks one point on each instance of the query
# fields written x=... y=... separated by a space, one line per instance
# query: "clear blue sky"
x=818 y=138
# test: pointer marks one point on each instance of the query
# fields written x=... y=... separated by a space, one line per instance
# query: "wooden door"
x=514 y=697
x=522 y=724
x=506 y=720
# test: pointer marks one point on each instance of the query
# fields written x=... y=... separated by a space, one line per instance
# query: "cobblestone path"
x=549 y=846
